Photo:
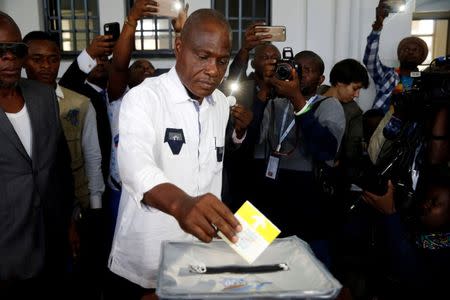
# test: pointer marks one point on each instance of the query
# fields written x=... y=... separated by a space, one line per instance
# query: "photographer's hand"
x=384 y=204
x=381 y=13
x=263 y=83
x=290 y=89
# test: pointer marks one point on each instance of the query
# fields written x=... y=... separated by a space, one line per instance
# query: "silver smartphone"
x=278 y=33
x=169 y=8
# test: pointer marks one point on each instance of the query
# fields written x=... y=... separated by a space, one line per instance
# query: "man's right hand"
x=251 y=39
x=202 y=216
x=100 y=46
x=381 y=12
x=142 y=9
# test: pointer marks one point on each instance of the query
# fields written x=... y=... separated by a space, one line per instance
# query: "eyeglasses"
x=19 y=50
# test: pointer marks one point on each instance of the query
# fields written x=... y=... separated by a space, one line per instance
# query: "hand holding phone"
x=278 y=33
x=112 y=29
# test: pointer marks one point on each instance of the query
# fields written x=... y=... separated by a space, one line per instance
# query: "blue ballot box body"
x=306 y=277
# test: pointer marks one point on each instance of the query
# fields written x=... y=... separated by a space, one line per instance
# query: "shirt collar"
x=59 y=92
x=179 y=91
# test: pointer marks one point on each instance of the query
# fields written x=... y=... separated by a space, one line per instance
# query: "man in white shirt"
x=172 y=138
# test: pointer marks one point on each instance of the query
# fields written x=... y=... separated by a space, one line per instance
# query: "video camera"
x=283 y=70
x=430 y=88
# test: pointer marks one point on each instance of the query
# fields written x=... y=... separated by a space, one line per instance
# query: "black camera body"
x=285 y=65
x=430 y=88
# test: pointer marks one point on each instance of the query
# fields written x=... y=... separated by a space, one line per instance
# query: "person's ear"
x=321 y=79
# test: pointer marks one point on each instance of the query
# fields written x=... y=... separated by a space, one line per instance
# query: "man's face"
x=311 y=77
x=203 y=60
x=139 y=71
x=10 y=64
x=268 y=52
x=436 y=209
x=410 y=53
x=42 y=62
x=347 y=92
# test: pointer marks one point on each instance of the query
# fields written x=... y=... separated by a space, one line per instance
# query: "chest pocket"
x=174 y=137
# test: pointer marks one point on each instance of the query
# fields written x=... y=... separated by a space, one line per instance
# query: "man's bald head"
x=199 y=18
x=7 y=22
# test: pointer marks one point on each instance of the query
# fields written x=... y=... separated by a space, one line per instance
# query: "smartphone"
x=395 y=6
x=169 y=8
x=278 y=33
x=112 y=29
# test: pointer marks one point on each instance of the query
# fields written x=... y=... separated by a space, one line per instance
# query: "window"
x=434 y=33
x=241 y=14
x=75 y=22
x=154 y=35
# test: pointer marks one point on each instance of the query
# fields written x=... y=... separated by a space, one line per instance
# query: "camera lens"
x=283 y=71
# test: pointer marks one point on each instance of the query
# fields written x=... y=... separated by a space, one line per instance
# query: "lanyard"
x=288 y=129
x=284 y=134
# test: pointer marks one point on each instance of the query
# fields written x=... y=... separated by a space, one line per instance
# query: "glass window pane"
x=163 y=24
x=235 y=41
x=66 y=25
x=163 y=41
x=233 y=8
x=422 y=27
x=81 y=41
x=149 y=42
x=66 y=5
x=246 y=24
x=92 y=7
x=234 y=24
x=260 y=10
x=220 y=5
x=67 y=46
x=147 y=24
x=80 y=24
x=247 y=8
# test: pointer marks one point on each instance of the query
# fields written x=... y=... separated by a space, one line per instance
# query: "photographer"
x=415 y=260
x=291 y=134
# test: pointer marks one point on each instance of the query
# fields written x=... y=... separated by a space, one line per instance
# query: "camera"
x=283 y=70
x=430 y=88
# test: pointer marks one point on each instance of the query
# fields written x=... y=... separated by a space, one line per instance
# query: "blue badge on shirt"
x=175 y=138
x=73 y=116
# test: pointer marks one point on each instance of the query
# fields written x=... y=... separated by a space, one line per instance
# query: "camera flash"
x=402 y=8
x=234 y=87
x=177 y=6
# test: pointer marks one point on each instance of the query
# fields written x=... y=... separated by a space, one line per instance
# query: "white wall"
x=334 y=29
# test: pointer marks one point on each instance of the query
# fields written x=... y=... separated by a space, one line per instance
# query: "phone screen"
x=278 y=33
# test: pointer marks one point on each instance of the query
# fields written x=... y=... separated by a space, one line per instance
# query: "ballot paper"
x=256 y=235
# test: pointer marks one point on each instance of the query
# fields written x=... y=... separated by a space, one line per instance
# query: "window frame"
x=159 y=53
x=48 y=19
x=240 y=18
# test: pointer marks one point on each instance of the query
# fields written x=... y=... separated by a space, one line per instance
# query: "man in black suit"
x=88 y=75
x=36 y=195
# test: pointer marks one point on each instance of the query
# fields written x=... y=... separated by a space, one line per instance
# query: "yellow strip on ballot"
x=256 y=235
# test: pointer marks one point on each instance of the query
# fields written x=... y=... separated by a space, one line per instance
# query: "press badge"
x=272 y=167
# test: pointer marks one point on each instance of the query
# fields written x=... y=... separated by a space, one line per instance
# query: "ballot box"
x=287 y=269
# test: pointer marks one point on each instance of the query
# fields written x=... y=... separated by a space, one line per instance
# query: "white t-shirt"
x=22 y=125
x=158 y=119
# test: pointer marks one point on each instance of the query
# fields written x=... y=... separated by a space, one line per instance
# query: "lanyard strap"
x=284 y=134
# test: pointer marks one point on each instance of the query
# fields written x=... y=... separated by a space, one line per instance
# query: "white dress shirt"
x=151 y=118
x=91 y=154
x=22 y=125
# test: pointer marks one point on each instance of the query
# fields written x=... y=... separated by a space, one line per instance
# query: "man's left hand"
x=289 y=89
x=242 y=118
